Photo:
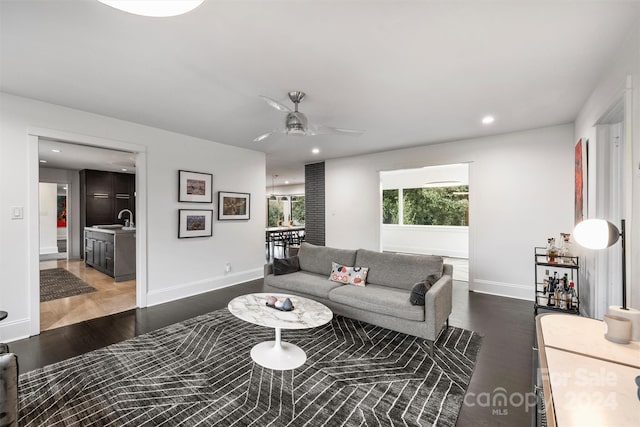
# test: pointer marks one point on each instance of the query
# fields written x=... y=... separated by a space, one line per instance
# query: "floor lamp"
x=601 y=234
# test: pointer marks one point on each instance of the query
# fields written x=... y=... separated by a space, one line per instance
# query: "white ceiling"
x=408 y=72
x=78 y=157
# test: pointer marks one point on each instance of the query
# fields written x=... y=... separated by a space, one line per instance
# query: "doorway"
x=426 y=211
x=53 y=220
x=90 y=293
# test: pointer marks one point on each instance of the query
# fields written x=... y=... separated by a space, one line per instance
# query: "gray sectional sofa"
x=384 y=301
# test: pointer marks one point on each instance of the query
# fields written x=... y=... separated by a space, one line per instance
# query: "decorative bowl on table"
x=285 y=305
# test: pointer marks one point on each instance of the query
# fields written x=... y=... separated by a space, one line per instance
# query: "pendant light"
x=273 y=186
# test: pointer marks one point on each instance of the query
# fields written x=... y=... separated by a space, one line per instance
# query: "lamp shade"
x=596 y=233
x=155 y=8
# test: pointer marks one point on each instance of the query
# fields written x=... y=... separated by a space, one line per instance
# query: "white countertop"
x=111 y=230
x=589 y=380
x=592 y=392
x=586 y=336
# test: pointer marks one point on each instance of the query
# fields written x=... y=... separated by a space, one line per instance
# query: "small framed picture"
x=195 y=187
x=233 y=205
x=195 y=223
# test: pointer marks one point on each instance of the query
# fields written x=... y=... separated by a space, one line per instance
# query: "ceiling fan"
x=296 y=123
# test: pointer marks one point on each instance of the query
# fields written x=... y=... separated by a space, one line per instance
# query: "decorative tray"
x=279 y=308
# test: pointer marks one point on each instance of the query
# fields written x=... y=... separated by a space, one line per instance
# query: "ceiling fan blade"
x=329 y=130
x=268 y=134
x=275 y=104
x=264 y=136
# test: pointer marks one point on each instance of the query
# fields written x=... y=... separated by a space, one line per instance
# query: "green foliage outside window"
x=389 y=206
x=276 y=212
x=436 y=206
x=297 y=210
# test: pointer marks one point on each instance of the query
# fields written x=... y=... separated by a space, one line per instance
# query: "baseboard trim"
x=201 y=286
x=14 y=330
x=509 y=290
x=48 y=250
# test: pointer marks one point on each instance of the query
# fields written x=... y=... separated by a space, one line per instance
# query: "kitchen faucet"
x=130 y=217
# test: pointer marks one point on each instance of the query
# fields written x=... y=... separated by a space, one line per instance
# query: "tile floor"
x=111 y=297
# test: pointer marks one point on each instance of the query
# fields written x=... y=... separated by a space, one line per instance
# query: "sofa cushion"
x=303 y=281
x=285 y=265
x=348 y=275
x=400 y=271
x=378 y=299
x=318 y=259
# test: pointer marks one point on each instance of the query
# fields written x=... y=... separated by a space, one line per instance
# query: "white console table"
x=586 y=380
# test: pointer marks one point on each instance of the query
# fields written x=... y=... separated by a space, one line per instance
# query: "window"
x=390 y=206
x=297 y=210
x=276 y=212
x=285 y=210
x=448 y=206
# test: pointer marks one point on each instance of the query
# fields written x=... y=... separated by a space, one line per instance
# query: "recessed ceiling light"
x=315 y=150
x=124 y=170
x=155 y=8
x=64 y=188
x=55 y=150
x=43 y=161
x=487 y=120
x=286 y=182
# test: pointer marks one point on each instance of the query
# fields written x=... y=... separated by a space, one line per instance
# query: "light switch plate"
x=17 y=212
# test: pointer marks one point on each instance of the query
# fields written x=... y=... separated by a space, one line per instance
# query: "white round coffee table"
x=279 y=355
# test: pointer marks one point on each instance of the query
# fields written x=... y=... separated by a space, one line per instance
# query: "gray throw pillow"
x=285 y=265
x=420 y=289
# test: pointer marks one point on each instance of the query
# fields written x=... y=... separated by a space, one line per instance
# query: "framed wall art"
x=233 y=205
x=581 y=179
x=195 y=223
x=195 y=187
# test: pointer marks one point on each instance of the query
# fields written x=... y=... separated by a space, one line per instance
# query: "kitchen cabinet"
x=111 y=252
x=102 y=196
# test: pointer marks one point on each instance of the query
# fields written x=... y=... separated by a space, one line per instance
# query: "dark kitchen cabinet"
x=102 y=196
x=112 y=252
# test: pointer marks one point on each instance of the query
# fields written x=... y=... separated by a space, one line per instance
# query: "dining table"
x=286 y=235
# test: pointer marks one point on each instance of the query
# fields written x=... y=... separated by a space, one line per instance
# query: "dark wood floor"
x=503 y=367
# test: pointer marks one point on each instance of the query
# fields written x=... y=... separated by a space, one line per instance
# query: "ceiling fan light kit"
x=296 y=123
x=154 y=8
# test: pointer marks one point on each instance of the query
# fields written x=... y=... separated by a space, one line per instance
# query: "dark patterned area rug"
x=58 y=283
x=199 y=373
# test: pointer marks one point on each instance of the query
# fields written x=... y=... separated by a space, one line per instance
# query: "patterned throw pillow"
x=348 y=275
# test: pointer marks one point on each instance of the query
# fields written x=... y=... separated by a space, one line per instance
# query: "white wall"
x=426 y=239
x=286 y=189
x=176 y=267
x=622 y=70
x=48 y=219
x=72 y=179
x=521 y=192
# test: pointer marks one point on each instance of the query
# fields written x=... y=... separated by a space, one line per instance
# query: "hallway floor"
x=111 y=297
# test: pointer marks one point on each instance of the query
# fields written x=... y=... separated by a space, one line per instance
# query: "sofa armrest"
x=437 y=305
x=268 y=269
x=8 y=390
